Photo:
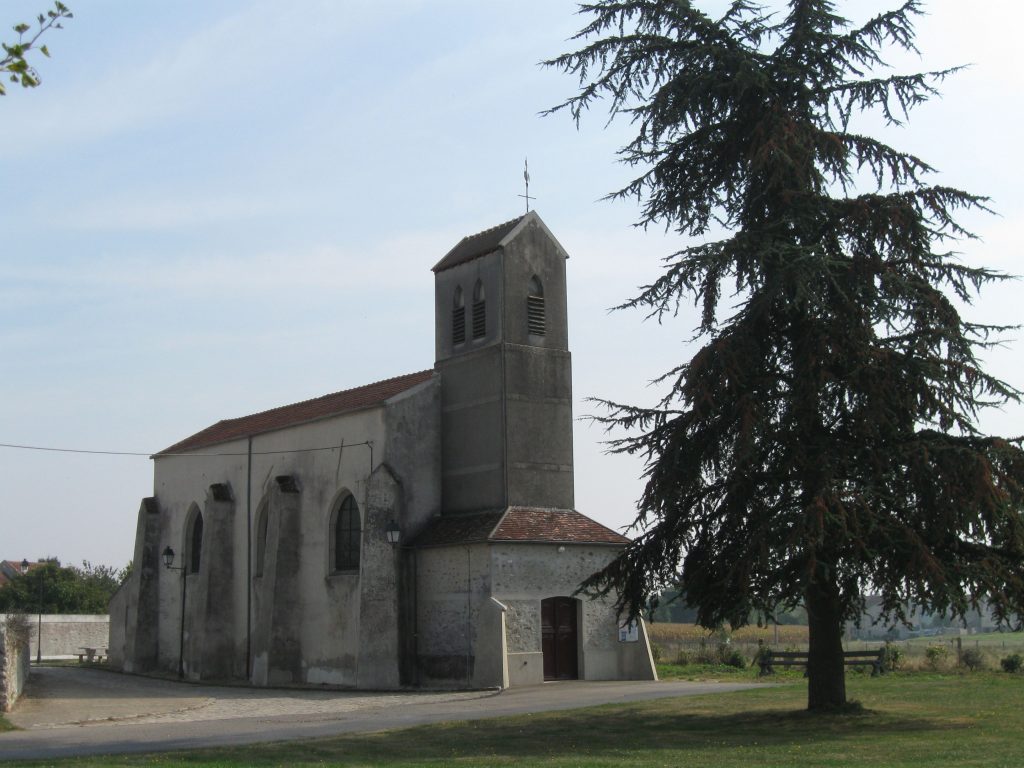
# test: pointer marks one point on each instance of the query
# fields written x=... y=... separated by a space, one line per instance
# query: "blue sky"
x=213 y=208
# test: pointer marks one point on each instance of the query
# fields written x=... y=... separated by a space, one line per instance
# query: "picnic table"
x=91 y=655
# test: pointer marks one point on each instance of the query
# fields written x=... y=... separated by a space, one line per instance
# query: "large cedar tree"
x=822 y=444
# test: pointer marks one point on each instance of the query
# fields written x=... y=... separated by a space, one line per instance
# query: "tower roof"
x=474 y=246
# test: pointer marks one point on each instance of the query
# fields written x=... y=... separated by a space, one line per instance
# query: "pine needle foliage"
x=822 y=444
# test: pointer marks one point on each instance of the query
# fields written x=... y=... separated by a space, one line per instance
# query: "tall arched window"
x=346 y=535
x=261 y=538
x=479 y=311
x=458 y=317
x=535 y=323
x=195 y=542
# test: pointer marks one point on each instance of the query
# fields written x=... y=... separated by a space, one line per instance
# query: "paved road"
x=71 y=711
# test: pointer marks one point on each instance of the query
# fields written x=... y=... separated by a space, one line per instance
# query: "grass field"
x=908 y=720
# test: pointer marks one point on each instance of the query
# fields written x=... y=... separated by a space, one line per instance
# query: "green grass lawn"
x=696 y=672
x=908 y=720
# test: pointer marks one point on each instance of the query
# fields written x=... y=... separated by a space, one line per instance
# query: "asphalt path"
x=70 y=711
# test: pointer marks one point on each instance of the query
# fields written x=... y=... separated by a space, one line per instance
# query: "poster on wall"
x=629 y=632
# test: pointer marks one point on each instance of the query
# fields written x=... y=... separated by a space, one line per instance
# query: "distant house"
x=415 y=531
x=11 y=569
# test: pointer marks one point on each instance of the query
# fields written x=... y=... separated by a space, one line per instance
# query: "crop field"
x=683 y=644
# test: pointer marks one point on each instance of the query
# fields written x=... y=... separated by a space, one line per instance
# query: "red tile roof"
x=299 y=413
x=474 y=246
x=531 y=524
x=518 y=524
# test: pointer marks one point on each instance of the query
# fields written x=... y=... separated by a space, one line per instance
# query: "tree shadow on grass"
x=600 y=735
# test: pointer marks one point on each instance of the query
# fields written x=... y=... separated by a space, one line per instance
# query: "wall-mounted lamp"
x=168 y=556
x=393 y=533
x=561 y=548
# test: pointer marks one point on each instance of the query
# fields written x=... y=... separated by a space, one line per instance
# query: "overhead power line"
x=188 y=453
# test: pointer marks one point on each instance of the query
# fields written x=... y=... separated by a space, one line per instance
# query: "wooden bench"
x=771 y=659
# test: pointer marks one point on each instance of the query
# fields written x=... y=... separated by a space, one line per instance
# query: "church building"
x=417 y=531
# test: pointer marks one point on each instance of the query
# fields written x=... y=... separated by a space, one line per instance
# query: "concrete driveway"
x=69 y=711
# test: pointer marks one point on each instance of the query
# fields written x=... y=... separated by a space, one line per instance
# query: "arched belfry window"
x=262 y=518
x=479 y=311
x=458 y=317
x=346 y=535
x=535 y=322
x=195 y=542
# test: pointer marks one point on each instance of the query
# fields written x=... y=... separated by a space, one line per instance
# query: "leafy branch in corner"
x=15 y=63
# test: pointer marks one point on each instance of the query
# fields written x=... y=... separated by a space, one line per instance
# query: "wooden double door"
x=558 y=620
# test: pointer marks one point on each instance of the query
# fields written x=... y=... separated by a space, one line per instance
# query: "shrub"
x=733 y=658
x=973 y=659
x=657 y=652
x=935 y=656
x=892 y=657
x=683 y=658
x=1012 y=663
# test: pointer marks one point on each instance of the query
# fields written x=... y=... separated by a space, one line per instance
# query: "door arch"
x=559 y=630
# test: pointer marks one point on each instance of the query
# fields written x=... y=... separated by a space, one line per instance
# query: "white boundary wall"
x=64 y=635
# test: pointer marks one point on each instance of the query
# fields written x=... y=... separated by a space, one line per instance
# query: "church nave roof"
x=334 y=404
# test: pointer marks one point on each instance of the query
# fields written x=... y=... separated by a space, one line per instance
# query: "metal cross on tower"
x=526 y=178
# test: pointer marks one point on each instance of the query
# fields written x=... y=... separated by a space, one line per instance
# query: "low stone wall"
x=14 y=663
x=65 y=635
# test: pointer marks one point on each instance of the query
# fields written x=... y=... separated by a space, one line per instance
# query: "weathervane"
x=526 y=178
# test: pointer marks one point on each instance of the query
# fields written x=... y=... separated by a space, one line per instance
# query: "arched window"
x=346 y=535
x=535 y=308
x=261 y=539
x=479 y=311
x=195 y=542
x=458 y=317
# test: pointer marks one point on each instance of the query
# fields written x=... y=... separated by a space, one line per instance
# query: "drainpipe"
x=248 y=564
x=416 y=617
x=469 y=608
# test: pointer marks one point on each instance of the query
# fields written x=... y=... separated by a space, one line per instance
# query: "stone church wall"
x=480 y=615
x=453 y=585
x=525 y=574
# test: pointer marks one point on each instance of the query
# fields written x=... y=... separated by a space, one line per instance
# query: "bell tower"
x=502 y=349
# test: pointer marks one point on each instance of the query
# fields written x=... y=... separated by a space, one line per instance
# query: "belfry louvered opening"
x=458 y=317
x=479 y=311
x=535 y=322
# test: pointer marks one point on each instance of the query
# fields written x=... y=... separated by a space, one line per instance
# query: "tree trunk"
x=826 y=674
